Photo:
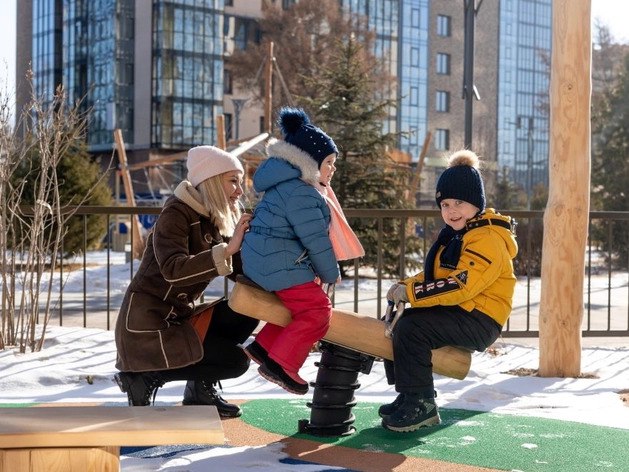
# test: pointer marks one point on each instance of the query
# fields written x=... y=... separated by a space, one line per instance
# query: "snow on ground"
x=77 y=365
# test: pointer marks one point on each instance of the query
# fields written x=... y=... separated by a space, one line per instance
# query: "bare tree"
x=305 y=38
x=31 y=236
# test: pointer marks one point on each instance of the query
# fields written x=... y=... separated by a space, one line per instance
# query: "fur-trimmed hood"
x=306 y=168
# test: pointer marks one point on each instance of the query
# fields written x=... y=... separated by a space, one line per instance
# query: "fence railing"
x=91 y=285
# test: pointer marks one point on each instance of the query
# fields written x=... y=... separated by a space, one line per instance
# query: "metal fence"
x=86 y=301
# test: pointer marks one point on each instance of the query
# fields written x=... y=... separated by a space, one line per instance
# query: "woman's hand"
x=239 y=232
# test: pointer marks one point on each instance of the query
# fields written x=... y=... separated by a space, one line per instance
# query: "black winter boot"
x=389 y=408
x=412 y=414
x=140 y=387
x=257 y=353
x=203 y=392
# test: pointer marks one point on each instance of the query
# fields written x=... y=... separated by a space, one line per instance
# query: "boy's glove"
x=397 y=294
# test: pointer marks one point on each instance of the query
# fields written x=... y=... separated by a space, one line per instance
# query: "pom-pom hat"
x=298 y=131
x=207 y=161
x=462 y=180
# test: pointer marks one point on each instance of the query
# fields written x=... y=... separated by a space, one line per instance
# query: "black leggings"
x=420 y=330
x=223 y=358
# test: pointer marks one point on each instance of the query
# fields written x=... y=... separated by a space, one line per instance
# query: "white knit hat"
x=207 y=161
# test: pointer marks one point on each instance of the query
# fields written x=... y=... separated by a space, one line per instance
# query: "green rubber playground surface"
x=485 y=439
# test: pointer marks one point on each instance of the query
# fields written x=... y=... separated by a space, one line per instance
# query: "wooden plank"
x=99 y=426
x=88 y=459
x=348 y=329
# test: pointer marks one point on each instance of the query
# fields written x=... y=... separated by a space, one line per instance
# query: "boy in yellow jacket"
x=462 y=298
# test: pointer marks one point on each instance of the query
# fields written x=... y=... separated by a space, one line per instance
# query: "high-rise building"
x=154 y=69
x=512 y=41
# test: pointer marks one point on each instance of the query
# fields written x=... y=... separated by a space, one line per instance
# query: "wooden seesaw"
x=351 y=330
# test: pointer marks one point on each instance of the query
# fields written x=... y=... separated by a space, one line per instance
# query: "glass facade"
x=88 y=47
x=413 y=75
x=401 y=28
x=383 y=18
x=524 y=76
x=47 y=47
x=187 y=88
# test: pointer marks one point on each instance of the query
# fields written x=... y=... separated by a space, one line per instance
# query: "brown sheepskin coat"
x=184 y=252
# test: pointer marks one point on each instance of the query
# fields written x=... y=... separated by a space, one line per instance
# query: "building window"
x=229 y=3
x=442 y=101
x=443 y=63
x=414 y=96
x=415 y=57
x=227 y=82
x=442 y=139
x=229 y=126
x=444 y=25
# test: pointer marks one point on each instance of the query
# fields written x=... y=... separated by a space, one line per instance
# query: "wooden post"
x=138 y=240
x=566 y=215
x=268 y=96
x=415 y=182
x=221 y=142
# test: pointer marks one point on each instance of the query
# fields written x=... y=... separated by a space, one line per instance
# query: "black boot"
x=412 y=414
x=203 y=392
x=257 y=353
x=389 y=408
x=140 y=387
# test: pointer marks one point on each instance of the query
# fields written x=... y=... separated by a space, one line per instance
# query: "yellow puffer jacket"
x=483 y=278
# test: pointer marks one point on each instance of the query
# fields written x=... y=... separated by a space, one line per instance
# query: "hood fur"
x=295 y=156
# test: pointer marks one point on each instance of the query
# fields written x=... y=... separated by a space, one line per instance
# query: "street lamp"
x=239 y=104
x=529 y=156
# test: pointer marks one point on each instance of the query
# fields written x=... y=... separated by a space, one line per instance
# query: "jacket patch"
x=462 y=277
x=435 y=287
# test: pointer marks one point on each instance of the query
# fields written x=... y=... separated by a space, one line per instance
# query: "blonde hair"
x=222 y=212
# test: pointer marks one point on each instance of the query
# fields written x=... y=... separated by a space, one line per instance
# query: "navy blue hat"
x=298 y=131
x=462 y=180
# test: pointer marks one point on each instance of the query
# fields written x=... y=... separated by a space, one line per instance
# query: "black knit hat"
x=298 y=131
x=462 y=180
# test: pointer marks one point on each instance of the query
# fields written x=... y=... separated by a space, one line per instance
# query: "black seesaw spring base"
x=333 y=398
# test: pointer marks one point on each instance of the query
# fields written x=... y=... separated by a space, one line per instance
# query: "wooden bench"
x=348 y=329
x=88 y=438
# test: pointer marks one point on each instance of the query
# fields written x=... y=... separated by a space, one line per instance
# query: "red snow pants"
x=311 y=310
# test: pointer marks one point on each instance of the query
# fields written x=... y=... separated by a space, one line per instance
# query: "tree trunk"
x=566 y=215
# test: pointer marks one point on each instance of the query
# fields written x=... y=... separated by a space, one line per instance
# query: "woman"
x=161 y=334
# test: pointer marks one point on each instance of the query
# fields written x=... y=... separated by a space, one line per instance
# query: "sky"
x=613 y=13
x=58 y=374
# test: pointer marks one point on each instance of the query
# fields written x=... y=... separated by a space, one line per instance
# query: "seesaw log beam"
x=348 y=329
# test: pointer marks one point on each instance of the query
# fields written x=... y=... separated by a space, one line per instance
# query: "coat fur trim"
x=191 y=197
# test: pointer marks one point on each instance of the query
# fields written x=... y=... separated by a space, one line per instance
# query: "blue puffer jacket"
x=288 y=243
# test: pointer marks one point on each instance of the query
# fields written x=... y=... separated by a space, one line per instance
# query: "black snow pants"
x=223 y=358
x=420 y=330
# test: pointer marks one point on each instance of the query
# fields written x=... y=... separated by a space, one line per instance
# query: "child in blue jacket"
x=287 y=249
